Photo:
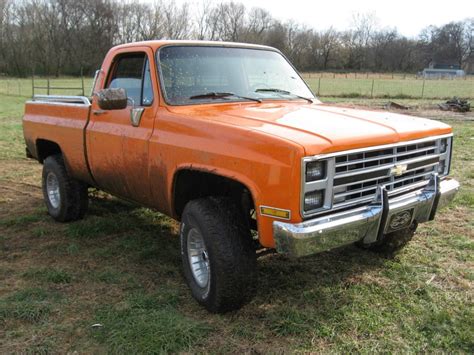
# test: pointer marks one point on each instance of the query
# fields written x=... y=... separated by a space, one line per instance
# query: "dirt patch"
x=430 y=110
x=19 y=199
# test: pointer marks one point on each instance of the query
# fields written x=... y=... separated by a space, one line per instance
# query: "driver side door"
x=117 y=149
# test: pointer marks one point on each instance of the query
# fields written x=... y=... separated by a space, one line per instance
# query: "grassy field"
x=322 y=84
x=112 y=282
x=391 y=88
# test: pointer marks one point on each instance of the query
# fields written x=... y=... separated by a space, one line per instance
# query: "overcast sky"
x=409 y=16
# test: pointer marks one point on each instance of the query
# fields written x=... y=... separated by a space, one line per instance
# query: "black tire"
x=230 y=252
x=72 y=202
x=392 y=242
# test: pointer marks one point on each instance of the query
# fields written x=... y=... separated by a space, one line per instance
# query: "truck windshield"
x=200 y=74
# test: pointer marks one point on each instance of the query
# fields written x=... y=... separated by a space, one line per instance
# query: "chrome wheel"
x=52 y=188
x=198 y=258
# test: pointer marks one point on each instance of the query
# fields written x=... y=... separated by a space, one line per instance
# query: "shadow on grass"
x=293 y=294
x=126 y=229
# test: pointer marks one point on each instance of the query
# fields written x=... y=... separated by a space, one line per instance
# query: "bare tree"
x=177 y=20
x=258 y=23
x=67 y=36
x=329 y=41
x=451 y=43
x=358 y=39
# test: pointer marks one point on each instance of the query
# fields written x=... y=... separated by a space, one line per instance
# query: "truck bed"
x=62 y=120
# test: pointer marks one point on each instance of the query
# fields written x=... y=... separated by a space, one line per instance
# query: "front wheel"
x=218 y=255
x=392 y=242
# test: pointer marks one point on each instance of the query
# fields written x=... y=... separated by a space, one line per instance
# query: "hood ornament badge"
x=398 y=170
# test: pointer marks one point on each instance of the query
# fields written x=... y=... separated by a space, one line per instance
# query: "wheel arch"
x=45 y=148
x=190 y=182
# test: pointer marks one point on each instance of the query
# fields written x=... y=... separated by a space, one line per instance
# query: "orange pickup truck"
x=229 y=140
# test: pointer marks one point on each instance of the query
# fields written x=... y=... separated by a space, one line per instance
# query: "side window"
x=147 y=93
x=132 y=73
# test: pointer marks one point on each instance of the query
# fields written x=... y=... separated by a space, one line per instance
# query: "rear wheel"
x=66 y=198
x=218 y=255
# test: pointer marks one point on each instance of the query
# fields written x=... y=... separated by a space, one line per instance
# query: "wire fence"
x=388 y=86
x=350 y=85
x=26 y=87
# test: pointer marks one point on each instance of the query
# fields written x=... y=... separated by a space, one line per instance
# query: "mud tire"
x=230 y=252
x=72 y=202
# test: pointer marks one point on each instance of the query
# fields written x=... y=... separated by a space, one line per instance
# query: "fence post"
x=82 y=81
x=319 y=85
x=423 y=88
x=8 y=87
x=47 y=89
x=19 y=87
x=372 y=91
x=33 y=83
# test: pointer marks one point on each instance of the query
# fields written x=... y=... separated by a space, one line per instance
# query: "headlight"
x=313 y=200
x=315 y=170
x=443 y=145
x=444 y=149
x=316 y=185
x=441 y=167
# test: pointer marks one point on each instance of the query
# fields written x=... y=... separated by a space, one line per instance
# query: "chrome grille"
x=357 y=175
x=353 y=176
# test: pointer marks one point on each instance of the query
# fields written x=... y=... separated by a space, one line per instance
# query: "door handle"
x=136 y=115
x=98 y=112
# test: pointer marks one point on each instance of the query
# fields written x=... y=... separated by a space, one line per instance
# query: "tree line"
x=67 y=37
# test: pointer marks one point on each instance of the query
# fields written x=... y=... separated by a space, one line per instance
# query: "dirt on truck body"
x=229 y=140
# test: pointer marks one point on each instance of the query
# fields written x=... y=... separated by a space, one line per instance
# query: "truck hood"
x=321 y=128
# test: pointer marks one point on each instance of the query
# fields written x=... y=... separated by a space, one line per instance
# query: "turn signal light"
x=275 y=212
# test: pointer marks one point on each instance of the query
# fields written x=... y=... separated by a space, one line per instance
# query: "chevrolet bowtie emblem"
x=398 y=170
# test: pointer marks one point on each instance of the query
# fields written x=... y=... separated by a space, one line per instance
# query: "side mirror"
x=112 y=99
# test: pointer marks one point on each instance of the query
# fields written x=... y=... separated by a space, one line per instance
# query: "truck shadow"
x=150 y=241
x=121 y=251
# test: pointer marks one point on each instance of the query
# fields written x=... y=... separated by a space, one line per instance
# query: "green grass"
x=11 y=142
x=149 y=323
x=31 y=305
x=50 y=275
x=401 y=86
x=120 y=268
x=391 y=88
x=20 y=221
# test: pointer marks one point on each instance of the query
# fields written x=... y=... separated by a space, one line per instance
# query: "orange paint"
x=258 y=144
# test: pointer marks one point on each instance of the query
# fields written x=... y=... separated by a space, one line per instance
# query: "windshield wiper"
x=219 y=95
x=285 y=92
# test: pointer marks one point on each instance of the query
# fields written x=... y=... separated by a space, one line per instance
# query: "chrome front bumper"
x=366 y=224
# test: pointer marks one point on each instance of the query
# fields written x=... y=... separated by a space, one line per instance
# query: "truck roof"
x=155 y=44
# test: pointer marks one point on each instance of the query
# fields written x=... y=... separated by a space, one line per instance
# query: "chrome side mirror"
x=112 y=99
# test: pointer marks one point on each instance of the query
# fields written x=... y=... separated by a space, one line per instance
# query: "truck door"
x=117 y=149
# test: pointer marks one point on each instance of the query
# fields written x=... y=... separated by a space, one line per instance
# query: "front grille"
x=357 y=175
